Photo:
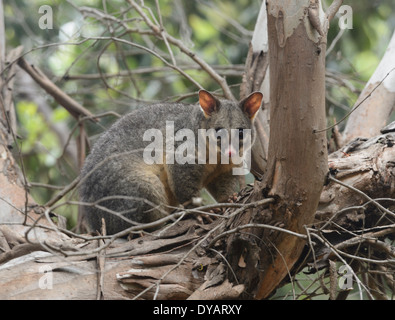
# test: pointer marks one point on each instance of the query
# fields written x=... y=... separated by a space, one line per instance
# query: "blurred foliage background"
x=106 y=75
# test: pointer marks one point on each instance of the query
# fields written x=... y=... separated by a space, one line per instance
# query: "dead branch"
x=75 y=109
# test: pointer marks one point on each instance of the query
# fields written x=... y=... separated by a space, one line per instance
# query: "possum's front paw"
x=233 y=198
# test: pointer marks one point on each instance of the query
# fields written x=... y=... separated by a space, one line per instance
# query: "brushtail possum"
x=152 y=159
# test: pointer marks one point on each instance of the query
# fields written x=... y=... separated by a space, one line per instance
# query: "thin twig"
x=179 y=70
x=178 y=43
x=334 y=41
x=61 y=194
x=62 y=98
x=255 y=225
x=336 y=252
x=378 y=205
x=163 y=34
x=357 y=106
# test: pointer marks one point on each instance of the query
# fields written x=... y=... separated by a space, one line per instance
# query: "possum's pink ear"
x=252 y=104
x=208 y=103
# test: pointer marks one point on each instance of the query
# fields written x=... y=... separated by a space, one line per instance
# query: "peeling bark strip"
x=297 y=157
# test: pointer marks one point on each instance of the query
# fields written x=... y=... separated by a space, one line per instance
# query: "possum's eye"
x=241 y=133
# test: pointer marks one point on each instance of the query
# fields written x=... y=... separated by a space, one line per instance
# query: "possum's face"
x=229 y=124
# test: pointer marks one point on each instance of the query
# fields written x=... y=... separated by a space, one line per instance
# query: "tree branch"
x=72 y=106
x=178 y=43
x=333 y=8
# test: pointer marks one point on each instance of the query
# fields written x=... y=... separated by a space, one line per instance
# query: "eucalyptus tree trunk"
x=297 y=154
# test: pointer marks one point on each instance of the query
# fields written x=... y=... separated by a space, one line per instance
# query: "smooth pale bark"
x=297 y=156
x=373 y=114
x=256 y=78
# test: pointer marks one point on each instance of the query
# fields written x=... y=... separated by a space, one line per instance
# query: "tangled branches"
x=349 y=249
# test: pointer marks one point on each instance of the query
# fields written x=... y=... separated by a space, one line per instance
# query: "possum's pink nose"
x=231 y=152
